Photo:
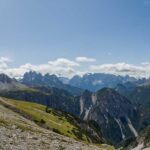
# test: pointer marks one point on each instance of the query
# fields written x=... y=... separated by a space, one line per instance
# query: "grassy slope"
x=53 y=120
x=9 y=118
x=12 y=120
x=57 y=121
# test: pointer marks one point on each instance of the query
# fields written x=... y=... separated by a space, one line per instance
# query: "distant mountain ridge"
x=34 y=79
x=96 y=81
x=77 y=84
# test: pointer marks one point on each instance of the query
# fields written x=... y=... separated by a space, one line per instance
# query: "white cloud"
x=60 y=66
x=63 y=62
x=146 y=63
x=69 y=68
x=123 y=69
x=85 y=59
x=4 y=61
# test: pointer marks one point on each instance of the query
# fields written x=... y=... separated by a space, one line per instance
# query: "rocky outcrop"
x=142 y=142
x=16 y=139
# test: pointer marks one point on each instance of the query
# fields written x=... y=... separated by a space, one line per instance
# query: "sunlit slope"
x=20 y=132
x=54 y=120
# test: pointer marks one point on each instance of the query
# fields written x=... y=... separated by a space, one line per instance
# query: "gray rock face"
x=85 y=104
x=115 y=115
x=5 y=79
x=142 y=142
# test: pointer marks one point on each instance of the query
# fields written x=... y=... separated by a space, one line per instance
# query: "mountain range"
x=36 y=79
x=117 y=107
x=96 y=81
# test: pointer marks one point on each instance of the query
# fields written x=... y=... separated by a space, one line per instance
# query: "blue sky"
x=110 y=31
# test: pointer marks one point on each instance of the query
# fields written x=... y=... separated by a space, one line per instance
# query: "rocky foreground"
x=19 y=133
x=16 y=139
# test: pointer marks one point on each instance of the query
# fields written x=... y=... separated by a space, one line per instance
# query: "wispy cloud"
x=63 y=62
x=4 y=61
x=85 y=59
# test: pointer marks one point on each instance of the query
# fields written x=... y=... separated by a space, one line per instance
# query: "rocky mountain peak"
x=34 y=79
x=5 y=79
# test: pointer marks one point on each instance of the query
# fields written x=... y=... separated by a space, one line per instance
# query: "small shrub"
x=47 y=109
x=56 y=130
x=42 y=121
